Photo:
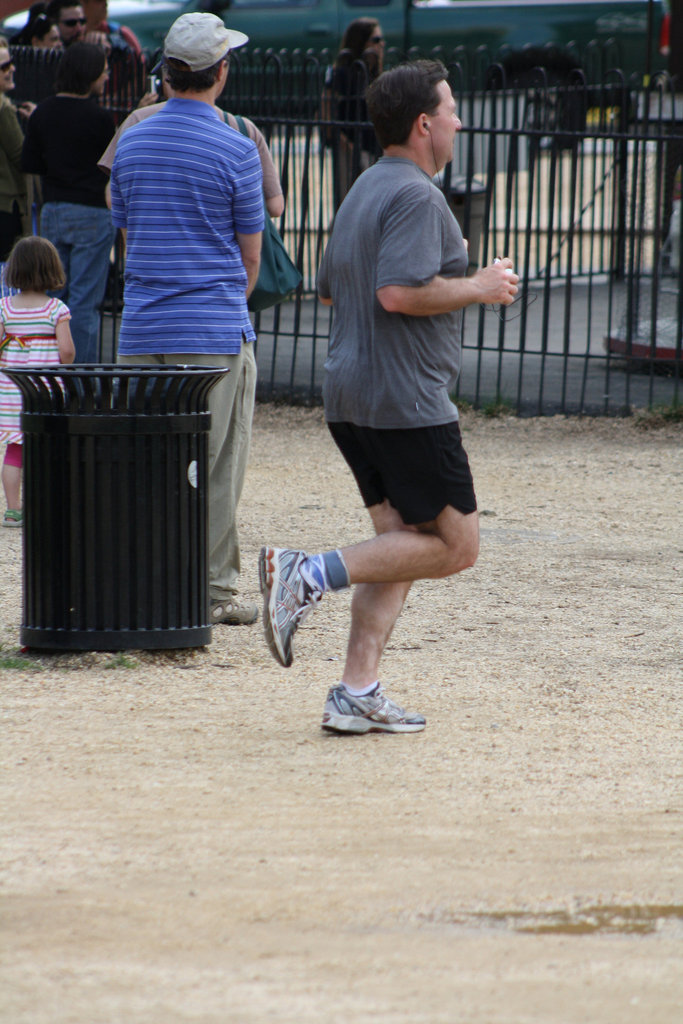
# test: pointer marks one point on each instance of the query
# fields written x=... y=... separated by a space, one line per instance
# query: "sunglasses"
x=376 y=39
x=72 y=22
x=7 y=65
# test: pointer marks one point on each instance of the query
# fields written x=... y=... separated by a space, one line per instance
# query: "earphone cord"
x=437 y=172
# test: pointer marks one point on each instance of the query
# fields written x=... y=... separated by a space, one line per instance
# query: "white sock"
x=360 y=693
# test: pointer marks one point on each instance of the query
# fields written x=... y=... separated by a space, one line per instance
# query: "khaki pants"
x=231 y=403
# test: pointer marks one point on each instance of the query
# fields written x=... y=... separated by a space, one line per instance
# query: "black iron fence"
x=577 y=180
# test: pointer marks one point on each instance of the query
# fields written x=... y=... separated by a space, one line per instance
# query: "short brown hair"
x=397 y=98
x=182 y=79
x=34 y=266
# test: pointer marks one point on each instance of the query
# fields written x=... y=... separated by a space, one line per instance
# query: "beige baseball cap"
x=201 y=40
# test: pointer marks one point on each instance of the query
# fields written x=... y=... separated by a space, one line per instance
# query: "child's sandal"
x=13 y=517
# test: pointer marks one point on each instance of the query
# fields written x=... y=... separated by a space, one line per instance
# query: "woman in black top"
x=359 y=61
x=65 y=137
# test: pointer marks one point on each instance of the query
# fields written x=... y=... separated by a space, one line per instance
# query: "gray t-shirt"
x=387 y=370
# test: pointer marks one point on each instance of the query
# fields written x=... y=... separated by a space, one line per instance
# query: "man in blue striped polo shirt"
x=187 y=191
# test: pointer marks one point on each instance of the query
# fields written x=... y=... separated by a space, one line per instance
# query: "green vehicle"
x=629 y=29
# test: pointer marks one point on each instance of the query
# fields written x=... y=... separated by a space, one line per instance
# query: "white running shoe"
x=372 y=713
x=287 y=599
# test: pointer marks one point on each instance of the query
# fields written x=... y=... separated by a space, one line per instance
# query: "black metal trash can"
x=115 y=506
x=467 y=201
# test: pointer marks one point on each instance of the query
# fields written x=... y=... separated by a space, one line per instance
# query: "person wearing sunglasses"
x=69 y=18
x=359 y=61
x=13 y=201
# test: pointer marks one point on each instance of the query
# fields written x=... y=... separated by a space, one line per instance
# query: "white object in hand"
x=508 y=270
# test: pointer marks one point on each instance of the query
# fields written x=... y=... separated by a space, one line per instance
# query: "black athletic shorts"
x=420 y=471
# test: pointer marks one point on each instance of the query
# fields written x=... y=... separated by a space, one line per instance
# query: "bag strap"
x=240 y=124
x=243 y=128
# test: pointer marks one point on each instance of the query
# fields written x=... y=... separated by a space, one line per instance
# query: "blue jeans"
x=83 y=237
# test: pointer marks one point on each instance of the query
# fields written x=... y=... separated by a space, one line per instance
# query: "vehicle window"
x=254 y=4
x=368 y=3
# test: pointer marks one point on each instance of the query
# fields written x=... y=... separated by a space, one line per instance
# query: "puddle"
x=598 y=920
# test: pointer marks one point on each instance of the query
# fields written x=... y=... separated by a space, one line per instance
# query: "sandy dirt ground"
x=182 y=843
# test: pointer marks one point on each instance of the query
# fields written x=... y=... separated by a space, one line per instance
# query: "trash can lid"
x=460 y=185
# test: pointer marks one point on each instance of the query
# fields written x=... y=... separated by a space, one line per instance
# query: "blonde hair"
x=34 y=266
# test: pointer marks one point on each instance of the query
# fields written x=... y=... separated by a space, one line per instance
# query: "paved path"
x=572 y=374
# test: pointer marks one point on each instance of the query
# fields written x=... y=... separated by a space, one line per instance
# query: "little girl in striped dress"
x=34 y=331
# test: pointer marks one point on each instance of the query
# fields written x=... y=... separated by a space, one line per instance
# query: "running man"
x=394 y=270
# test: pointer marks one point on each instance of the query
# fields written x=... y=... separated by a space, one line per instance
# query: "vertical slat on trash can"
x=89 y=579
x=116 y=478
x=105 y=546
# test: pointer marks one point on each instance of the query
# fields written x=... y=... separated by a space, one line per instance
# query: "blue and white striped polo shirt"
x=183 y=183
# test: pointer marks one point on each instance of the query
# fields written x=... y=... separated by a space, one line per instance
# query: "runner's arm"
x=447 y=294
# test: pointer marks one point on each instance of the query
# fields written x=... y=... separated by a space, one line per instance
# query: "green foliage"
x=121 y=660
x=497 y=407
x=492 y=408
x=659 y=416
x=13 y=660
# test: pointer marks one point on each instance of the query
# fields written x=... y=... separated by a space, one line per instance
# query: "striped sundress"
x=29 y=339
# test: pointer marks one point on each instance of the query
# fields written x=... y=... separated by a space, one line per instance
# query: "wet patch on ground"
x=608 y=919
